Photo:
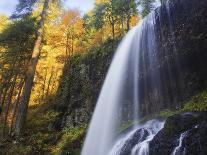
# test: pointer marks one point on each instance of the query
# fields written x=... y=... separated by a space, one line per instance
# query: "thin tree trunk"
x=44 y=85
x=67 y=47
x=1 y=94
x=113 y=29
x=16 y=104
x=54 y=80
x=4 y=96
x=7 y=86
x=112 y=23
x=128 y=23
x=22 y=111
x=72 y=45
x=9 y=103
x=49 y=82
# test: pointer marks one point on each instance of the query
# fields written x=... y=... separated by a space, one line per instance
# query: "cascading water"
x=177 y=150
x=118 y=103
x=109 y=111
x=136 y=142
x=180 y=149
x=152 y=127
x=107 y=115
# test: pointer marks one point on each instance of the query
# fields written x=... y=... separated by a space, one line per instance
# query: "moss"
x=167 y=113
x=3 y=135
x=169 y=128
x=197 y=103
x=71 y=141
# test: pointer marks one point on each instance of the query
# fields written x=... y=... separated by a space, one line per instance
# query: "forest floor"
x=40 y=138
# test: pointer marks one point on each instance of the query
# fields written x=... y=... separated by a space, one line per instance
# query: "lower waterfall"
x=136 y=142
x=178 y=150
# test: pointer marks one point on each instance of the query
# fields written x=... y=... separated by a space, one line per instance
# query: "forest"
x=54 y=60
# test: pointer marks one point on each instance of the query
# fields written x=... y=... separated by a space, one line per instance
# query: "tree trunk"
x=44 y=85
x=113 y=33
x=128 y=23
x=49 y=82
x=6 y=84
x=67 y=47
x=16 y=104
x=9 y=100
x=1 y=95
x=22 y=111
x=112 y=23
x=54 y=80
x=113 y=28
x=4 y=97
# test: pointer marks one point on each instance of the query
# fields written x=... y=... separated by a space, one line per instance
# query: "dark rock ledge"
x=194 y=142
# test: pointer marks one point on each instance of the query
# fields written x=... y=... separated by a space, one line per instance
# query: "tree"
x=22 y=111
x=116 y=13
x=16 y=41
x=98 y=16
x=128 y=9
x=23 y=8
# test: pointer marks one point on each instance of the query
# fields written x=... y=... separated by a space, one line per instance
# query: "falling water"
x=152 y=127
x=108 y=112
x=118 y=103
x=178 y=150
x=142 y=135
x=119 y=98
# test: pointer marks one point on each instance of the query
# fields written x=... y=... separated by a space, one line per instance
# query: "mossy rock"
x=178 y=123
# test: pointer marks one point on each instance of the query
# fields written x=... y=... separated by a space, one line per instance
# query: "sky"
x=83 y=5
x=8 y=6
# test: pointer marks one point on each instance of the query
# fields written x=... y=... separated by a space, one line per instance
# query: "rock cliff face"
x=181 y=44
x=80 y=85
x=181 y=54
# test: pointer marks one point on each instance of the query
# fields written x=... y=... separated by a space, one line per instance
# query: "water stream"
x=179 y=150
x=136 y=142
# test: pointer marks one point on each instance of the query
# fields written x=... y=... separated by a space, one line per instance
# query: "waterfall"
x=118 y=102
x=135 y=82
x=136 y=142
x=110 y=109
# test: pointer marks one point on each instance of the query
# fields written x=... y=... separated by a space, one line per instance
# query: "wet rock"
x=181 y=41
x=137 y=137
x=194 y=142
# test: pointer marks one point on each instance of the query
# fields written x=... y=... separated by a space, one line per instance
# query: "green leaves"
x=23 y=8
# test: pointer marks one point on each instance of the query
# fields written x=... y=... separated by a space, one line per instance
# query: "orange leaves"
x=70 y=17
x=134 y=20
